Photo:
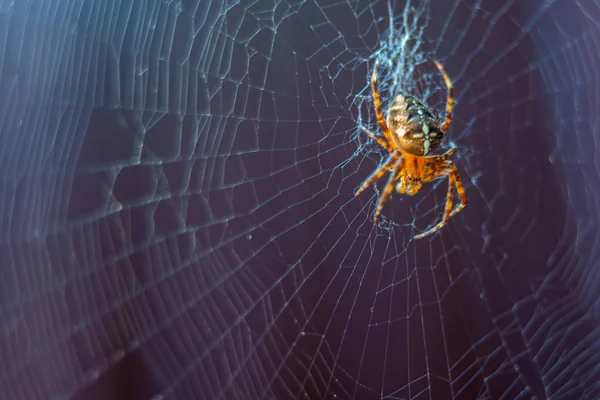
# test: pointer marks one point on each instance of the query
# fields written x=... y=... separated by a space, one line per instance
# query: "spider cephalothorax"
x=410 y=133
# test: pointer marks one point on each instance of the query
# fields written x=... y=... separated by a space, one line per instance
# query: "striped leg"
x=450 y=100
x=389 y=186
x=454 y=184
x=378 y=172
x=378 y=139
x=377 y=101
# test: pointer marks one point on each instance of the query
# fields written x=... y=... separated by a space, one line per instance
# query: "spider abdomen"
x=413 y=126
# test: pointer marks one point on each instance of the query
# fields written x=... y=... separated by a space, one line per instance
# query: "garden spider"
x=414 y=133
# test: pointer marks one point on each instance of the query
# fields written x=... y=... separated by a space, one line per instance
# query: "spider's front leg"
x=454 y=184
x=378 y=172
x=387 y=190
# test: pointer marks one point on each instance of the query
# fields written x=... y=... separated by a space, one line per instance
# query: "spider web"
x=178 y=217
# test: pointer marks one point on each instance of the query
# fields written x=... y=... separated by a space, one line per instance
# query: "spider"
x=410 y=134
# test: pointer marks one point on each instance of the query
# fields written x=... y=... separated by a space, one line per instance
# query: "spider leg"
x=389 y=186
x=450 y=100
x=378 y=172
x=454 y=184
x=447 y=154
x=439 y=161
x=440 y=225
x=377 y=101
x=378 y=139
x=461 y=191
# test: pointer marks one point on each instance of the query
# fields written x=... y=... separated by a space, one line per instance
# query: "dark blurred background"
x=177 y=217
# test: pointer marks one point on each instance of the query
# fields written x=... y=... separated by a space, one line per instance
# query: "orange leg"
x=443 y=157
x=387 y=190
x=454 y=184
x=377 y=101
x=450 y=100
x=461 y=191
x=378 y=139
x=378 y=172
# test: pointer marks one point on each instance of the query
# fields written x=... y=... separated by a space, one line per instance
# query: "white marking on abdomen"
x=426 y=147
